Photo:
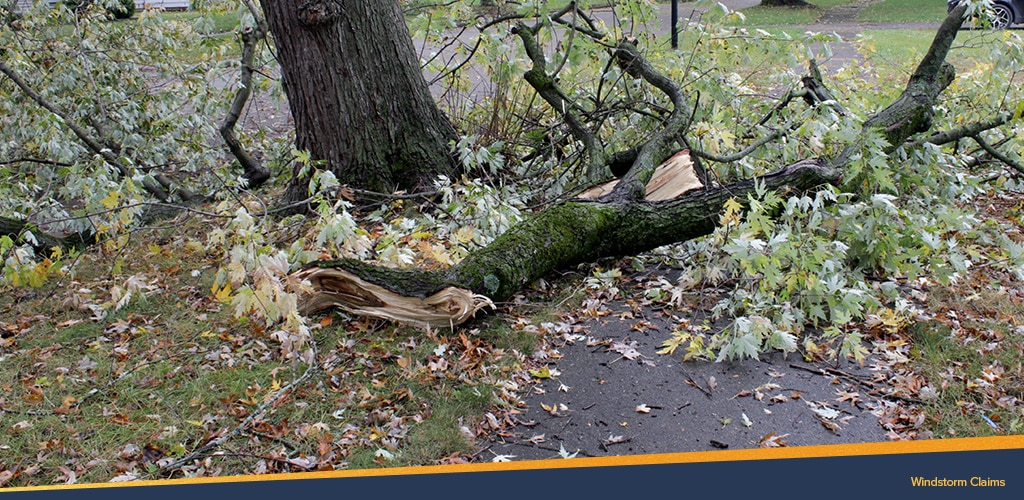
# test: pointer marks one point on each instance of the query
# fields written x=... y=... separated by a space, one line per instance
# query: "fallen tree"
x=621 y=222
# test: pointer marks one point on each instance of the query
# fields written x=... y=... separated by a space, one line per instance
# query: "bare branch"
x=633 y=184
x=546 y=87
x=995 y=153
x=254 y=171
x=969 y=130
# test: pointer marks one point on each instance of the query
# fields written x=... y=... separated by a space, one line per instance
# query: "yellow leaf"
x=732 y=212
x=111 y=200
x=224 y=294
x=541 y=373
x=464 y=234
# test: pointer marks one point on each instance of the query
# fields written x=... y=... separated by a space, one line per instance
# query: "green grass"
x=165 y=374
x=903 y=11
x=901 y=45
x=776 y=16
x=971 y=368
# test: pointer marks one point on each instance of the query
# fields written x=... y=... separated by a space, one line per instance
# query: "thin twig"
x=995 y=153
x=245 y=423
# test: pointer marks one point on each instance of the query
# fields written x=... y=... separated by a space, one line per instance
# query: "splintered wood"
x=671 y=179
x=334 y=287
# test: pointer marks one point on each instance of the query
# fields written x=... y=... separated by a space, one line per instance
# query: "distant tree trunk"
x=785 y=3
x=357 y=95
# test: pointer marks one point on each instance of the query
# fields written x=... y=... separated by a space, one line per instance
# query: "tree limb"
x=16 y=229
x=94 y=144
x=254 y=172
x=651 y=153
x=965 y=131
x=623 y=222
x=545 y=85
x=90 y=142
x=997 y=154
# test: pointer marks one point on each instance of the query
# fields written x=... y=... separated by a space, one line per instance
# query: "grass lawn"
x=903 y=11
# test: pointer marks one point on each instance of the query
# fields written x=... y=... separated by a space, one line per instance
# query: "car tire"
x=1003 y=16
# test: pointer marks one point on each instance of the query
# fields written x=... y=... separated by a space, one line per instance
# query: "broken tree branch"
x=545 y=85
x=660 y=144
x=253 y=171
x=624 y=222
x=995 y=153
x=94 y=144
x=965 y=131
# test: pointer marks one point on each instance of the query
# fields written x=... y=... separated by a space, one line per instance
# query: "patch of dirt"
x=847 y=13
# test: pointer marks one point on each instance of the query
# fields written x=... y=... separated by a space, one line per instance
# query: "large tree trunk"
x=785 y=3
x=616 y=224
x=357 y=95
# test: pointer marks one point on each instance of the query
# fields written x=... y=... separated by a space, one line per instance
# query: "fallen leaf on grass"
x=20 y=426
x=67 y=476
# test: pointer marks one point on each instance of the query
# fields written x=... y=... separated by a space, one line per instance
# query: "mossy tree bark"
x=622 y=223
x=357 y=95
x=44 y=243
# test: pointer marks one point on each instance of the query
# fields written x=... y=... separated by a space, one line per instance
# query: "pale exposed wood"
x=674 y=177
x=335 y=287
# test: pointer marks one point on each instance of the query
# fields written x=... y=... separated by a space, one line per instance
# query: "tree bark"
x=787 y=3
x=16 y=229
x=357 y=95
